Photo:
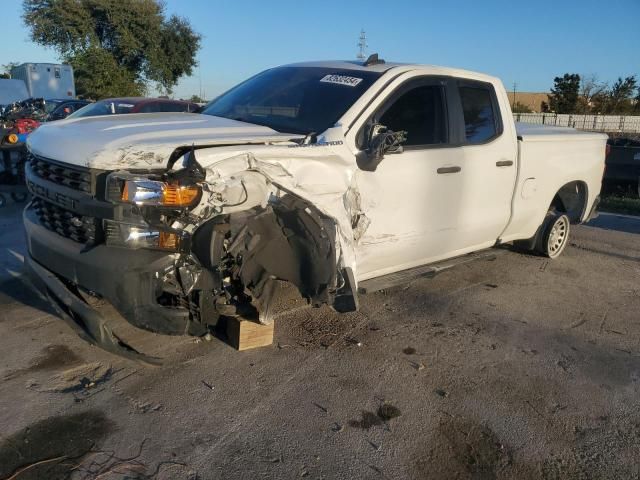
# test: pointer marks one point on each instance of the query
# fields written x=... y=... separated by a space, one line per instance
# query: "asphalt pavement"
x=519 y=367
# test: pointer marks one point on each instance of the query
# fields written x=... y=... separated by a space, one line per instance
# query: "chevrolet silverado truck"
x=340 y=178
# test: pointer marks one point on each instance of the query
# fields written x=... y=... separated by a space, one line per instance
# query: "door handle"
x=504 y=163
x=449 y=169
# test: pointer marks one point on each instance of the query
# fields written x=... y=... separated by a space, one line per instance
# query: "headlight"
x=136 y=236
x=143 y=191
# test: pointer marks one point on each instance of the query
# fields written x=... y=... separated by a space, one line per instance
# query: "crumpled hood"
x=140 y=140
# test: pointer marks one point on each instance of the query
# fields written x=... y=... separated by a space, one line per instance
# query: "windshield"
x=104 y=107
x=50 y=105
x=294 y=99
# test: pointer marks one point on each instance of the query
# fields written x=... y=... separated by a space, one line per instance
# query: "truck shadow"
x=619 y=223
x=19 y=289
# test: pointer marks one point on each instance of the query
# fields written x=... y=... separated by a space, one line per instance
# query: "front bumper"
x=131 y=280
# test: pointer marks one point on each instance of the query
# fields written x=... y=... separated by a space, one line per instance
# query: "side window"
x=480 y=122
x=149 y=108
x=419 y=111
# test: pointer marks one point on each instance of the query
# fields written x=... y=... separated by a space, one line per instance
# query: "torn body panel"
x=280 y=228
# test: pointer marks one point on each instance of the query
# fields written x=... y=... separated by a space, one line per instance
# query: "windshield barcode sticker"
x=341 y=80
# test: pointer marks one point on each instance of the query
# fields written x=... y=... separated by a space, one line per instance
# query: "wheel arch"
x=571 y=199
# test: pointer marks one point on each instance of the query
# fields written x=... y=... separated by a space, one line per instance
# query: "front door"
x=442 y=196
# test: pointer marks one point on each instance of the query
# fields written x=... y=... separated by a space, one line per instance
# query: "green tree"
x=6 y=69
x=98 y=75
x=590 y=90
x=197 y=99
x=617 y=100
x=564 y=94
x=621 y=94
x=116 y=47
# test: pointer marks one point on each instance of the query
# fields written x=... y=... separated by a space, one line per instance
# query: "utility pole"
x=362 y=46
x=200 y=78
x=513 y=102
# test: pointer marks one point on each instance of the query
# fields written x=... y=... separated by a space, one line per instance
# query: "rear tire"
x=555 y=235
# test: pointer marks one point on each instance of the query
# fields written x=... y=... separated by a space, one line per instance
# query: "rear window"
x=480 y=122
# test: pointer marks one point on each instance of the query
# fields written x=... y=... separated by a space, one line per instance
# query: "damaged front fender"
x=254 y=216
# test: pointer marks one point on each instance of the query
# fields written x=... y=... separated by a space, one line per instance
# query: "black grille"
x=77 y=178
x=68 y=224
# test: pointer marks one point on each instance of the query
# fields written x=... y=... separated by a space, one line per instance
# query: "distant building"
x=533 y=100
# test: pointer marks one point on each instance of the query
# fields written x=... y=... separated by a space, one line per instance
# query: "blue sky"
x=525 y=42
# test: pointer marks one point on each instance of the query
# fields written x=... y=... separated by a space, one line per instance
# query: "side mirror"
x=379 y=142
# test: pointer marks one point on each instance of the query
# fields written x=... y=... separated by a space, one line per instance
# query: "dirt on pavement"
x=519 y=367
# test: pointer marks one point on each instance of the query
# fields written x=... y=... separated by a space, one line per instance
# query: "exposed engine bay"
x=232 y=260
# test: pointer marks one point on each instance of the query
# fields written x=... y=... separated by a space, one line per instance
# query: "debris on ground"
x=53 y=447
x=140 y=406
x=83 y=377
x=387 y=411
x=375 y=446
x=369 y=419
x=441 y=393
x=324 y=409
x=409 y=351
x=209 y=386
x=417 y=365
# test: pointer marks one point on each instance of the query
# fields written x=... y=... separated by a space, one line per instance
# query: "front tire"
x=555 y=235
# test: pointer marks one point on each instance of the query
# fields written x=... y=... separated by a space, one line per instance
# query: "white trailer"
x=46 y=80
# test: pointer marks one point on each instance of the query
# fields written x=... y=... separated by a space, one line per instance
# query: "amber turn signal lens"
x=168 y=241
x=174 y=195
x=12 y=138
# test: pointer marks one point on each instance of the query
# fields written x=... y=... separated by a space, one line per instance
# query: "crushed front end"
x=171 y=251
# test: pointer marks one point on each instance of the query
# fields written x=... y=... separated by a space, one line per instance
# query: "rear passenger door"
x=487 y=158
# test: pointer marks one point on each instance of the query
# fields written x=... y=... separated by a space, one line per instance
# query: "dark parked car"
x=622 y=173
x=112 y=106
x=59 y=108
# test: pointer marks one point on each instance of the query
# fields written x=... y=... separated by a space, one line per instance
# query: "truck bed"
x=548 y=159
x=530 y=132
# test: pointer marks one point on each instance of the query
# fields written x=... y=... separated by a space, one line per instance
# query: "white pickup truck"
x=338 y=177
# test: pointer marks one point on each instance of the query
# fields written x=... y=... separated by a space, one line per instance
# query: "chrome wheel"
x=558 y=236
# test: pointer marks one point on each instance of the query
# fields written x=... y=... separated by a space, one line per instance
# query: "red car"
x=110 y=106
